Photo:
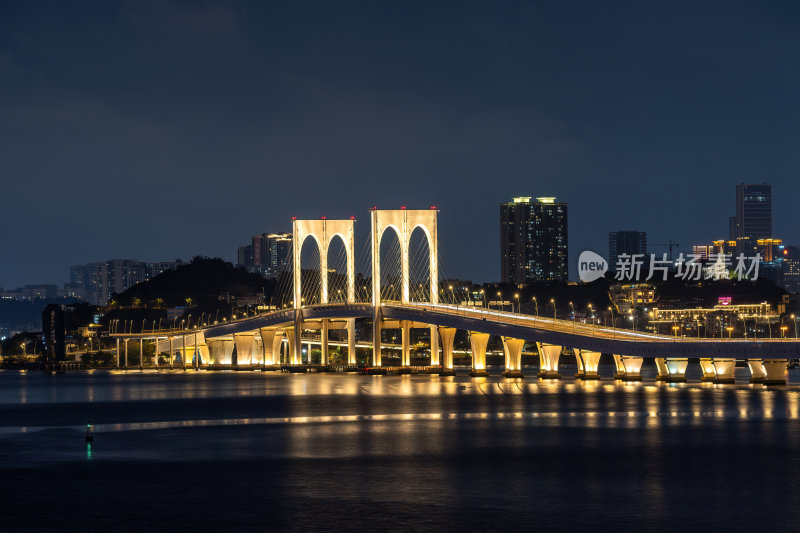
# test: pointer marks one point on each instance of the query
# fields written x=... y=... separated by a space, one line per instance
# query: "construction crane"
x=669 y=244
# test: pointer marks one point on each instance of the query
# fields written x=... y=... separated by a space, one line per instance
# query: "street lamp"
x=730 y=331
x=536 y=303
x=675 y=330
x=795 y=326
x=783 y=331
x=516 y=297
x=553 y=301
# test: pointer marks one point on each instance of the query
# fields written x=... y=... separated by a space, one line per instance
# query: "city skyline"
x=182 y=168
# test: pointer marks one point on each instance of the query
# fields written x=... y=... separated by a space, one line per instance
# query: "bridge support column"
x=171 y=351
x=676 y=369
x=351 y=341
x=588 y=362
x=244 y=348
x=277 y=344
x=434 y=346
x=183 y=352
x=405 y=335
x=661 y=366
x=725 y=369
x=376 y=337
x=323 y=345
x=548 y=360
x=141 y=353
x=709 y=372
x=776 y=371
x=631 y=368
x=297 y=346
x=117 y=353
x=478 y=342
x=268 y=345
x=202 y=355
x=126 y=354
x=619 y=368
x=291 y=344
x=512 y=349
x=447 y=335
x=155 y=352
x=757 y=371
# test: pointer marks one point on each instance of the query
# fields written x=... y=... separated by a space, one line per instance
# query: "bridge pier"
x=434 y=346
x=709 y=372
x=323 y=358
x=628 y=368
x=548 y=360
x=351 y=341
x=478 y=342
x=292 y=346
x=296 y=347
x=376 y=337
x=117 y=353
x=447 y=335
x=757 y=370
x=217 y=351
x=588 y=362
x=405 y=335
x=775 y=371
x=171 y=351
x=125 y=361
x=672 y=369
x=244 y=348
x=725 y=367
x=267 y=346
x=512 y=349
x=201 y=355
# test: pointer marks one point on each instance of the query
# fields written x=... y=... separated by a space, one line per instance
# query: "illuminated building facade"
x=533 y=240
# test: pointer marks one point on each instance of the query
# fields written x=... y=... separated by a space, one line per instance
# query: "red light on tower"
x=352 y=218
x=433 y=207
x=402 y=207
x=294 y=218
x=324 y=218
x=374 y=207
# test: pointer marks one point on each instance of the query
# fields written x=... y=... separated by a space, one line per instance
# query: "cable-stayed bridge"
x=403 y=293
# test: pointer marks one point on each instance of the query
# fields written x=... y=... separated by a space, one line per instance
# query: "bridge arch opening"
x=336 y=269
x=419 y=265
x=310 y=282
x=390 y=265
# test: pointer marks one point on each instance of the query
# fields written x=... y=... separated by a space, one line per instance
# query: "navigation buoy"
x=89 y=433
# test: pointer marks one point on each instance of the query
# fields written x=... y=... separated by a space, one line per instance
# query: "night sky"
x=158 y=130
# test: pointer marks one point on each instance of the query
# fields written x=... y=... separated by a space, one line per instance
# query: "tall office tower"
x=626 y=242
x=753 y=215
x=280 y=251
x=533 y=240
x=267 y=255
x=790 y=267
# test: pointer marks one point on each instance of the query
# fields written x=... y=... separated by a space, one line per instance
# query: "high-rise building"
x=533 y=240
x=267 y=255
x=753 y=215
x=98 y=282
x=626 y=242
x=790 y=267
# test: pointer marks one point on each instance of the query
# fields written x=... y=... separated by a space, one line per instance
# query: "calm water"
x=252 y=451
